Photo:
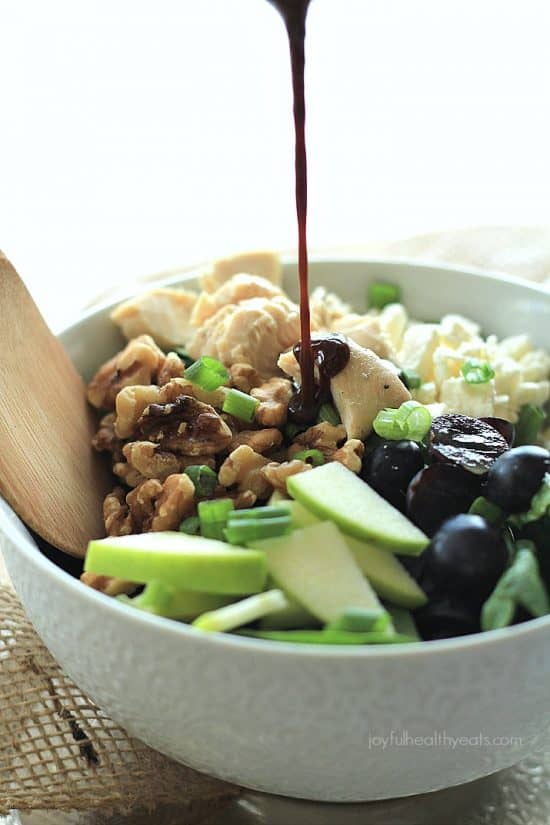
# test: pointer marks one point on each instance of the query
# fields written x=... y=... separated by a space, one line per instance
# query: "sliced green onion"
x=487 y=510
x=477 y=372
x=531 y=419
x=213 y=517
x=411 y=379
x=253 y=513
x=204 y=479
x=361 y=620
x=314 y=457
x=208 y=373
x=240 y=405
x=328 y=637
x=382 y=293
x=184 y=356
x=242 y=612
x=191 y=526
x=242 y=532
x=329 y=413
x=412 y=421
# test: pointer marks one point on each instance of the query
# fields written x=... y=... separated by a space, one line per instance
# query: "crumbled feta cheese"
x=393 y=320
x=437 y=409
x=455 y=330
x=507 y=377
x=426 y=393
x=418 y=347
x=447 y=363
x=515 y=347
x=535 y=365
x=533 y=392
x=476 y=400
x=503 y=408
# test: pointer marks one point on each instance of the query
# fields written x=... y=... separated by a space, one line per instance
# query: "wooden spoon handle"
x=48 y=472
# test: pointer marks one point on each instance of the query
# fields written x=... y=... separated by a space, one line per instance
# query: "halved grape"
x=445 y=618
x=466 y=442
x=439 y=492
x=505 y=428
x=390 y=467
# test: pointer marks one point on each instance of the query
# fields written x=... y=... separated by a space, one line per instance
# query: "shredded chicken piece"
x=107 y=584
x=164 y=313
x=366 y=331
x=238 y=288
x=137 y=363
x=244 y=377
x=116 y=514
x=265 y=264
x=252 y=332
x=326 y=308
x=186 y=426
x=261 y=441
x=277 y=474
x=274 y=397
x=243 y=467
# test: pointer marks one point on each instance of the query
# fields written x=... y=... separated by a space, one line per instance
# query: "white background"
x=136 y=136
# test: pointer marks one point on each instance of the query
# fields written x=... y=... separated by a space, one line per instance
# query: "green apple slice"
x=334 y=492
x=403 y=622
x=180 y=561
x=242 y=612
x=386 y=574
x=291 y=617
x=315 y=566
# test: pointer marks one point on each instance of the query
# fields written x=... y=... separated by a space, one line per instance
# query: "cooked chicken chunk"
x=326 y=309
x=253 y=332
x=366 y=331
x=162 y=313
x=239 y=288
x=365 y=386
x=265 y=264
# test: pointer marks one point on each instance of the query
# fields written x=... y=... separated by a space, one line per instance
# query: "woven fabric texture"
x=59 y=751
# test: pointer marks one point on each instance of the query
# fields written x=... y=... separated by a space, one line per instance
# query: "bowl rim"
x=16 y=532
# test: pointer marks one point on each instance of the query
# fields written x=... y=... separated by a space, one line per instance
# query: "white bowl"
x=334 y=724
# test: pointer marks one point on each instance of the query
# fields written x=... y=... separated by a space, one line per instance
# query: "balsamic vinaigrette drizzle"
x=330 y=354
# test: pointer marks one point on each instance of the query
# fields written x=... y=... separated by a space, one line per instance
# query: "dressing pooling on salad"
x=415 y=506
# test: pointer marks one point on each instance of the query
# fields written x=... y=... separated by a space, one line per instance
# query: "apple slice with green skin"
x=291 y=617
x=386 y=574
x=334 y=492
x=184 y=605
x=242 y=612
x=403 y=622
x=180 y=561
x=315 y=566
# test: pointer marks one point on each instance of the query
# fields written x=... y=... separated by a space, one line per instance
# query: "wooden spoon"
x=48 y=472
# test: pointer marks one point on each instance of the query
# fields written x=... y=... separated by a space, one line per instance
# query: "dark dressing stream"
x=329 y=354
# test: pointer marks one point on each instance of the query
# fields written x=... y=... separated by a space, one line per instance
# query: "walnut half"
x=186 y=426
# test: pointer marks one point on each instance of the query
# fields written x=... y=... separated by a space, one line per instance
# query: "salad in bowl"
x=410 y=501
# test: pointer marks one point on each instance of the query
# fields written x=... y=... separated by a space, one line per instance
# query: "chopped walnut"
x=244 y=377
x=128 y=474
x=350 y=455
x=185 y=425
x=106 y=440
x=116 y=514
x=324 y=437
x=137 y=363
x=274 y=396
x=276 y=474
x=151 y=462
x=155 y=506
x=330 y=440
x=176 y=501
x=261 y=441
x=245 y=499
x=141 y=501
x=243 y=467
x=107 y=584
x=172 y=367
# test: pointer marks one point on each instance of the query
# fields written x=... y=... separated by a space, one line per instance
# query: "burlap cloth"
x=58 y=751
